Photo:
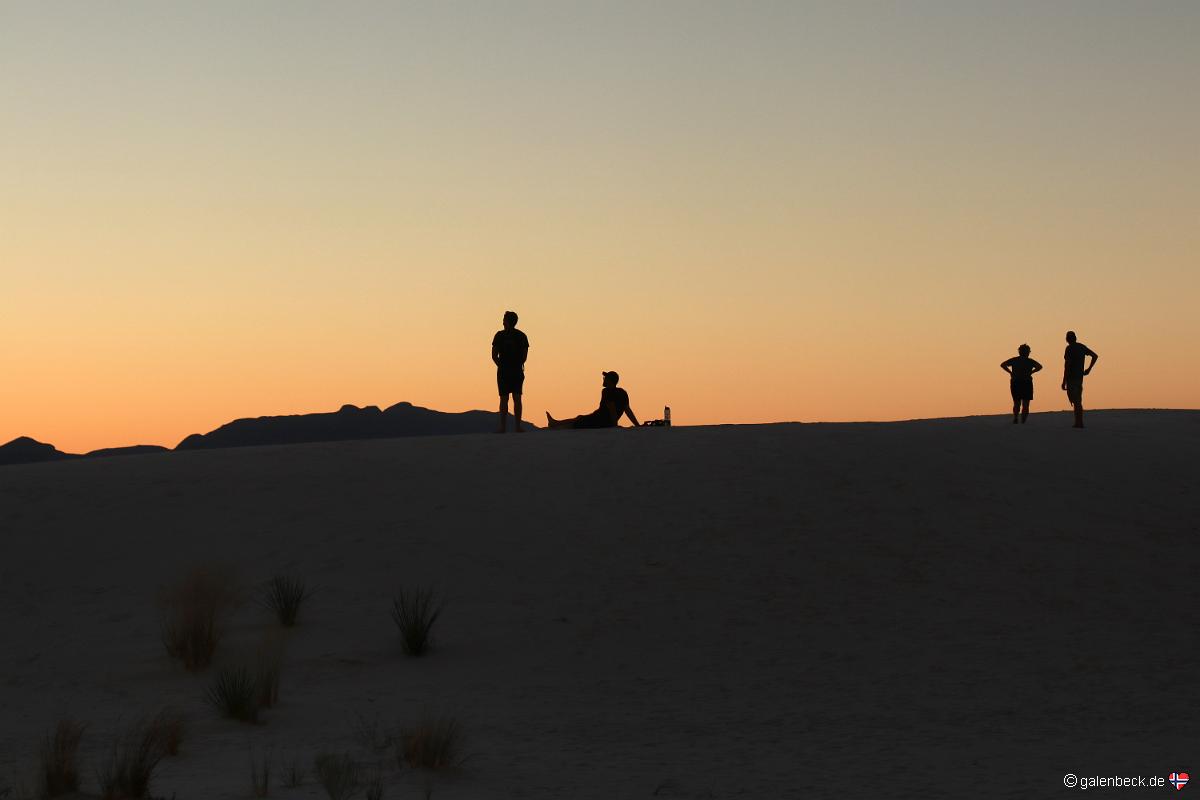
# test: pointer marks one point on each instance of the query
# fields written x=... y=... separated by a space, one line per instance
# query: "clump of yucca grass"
x=293 y=774
x=371 y=735
x=58 y=770
x=235 y=693
x=130 y=768
x=337 y=774
x=268 y=668
x=435 y=743
x=414 y=612
x=284 y=595
x=172 y=727
x=195 y=612
x=260 y=775
x=374 y=787
x=15 y=789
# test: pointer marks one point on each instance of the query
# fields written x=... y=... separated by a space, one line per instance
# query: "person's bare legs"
x=504 y=413
x=1016 y=410
x=553 y=423
x=1024 y=411
x=1078 y=415
x=517 y=413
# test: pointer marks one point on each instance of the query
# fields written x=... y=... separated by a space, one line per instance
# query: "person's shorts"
x=596 y=419
x=510 y=381
x=1075 y=389
x=1021 y=390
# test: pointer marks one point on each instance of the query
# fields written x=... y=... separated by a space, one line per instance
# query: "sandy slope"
x=935 y=608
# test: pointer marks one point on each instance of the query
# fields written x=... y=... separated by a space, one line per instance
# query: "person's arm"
x=1036 y=366
x=495 y=352
x=1006 y=366
x=1095 y=358
x=632 y=418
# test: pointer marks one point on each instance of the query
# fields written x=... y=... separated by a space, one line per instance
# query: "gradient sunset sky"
x=755 y=211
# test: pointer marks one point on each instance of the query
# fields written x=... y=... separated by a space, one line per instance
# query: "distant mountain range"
x=348 y=422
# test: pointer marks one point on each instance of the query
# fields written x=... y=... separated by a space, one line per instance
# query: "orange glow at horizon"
x=754 y=215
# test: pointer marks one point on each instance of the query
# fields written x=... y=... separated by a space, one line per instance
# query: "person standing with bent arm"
x=1020 y=370
x=1073 y=372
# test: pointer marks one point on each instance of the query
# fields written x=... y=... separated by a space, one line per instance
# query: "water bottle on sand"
x=667 y=416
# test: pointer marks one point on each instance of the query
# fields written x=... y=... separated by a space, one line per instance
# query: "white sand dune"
x=952 y=607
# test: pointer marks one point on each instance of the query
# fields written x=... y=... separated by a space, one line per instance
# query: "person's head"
x=1024 y=350
x=510 y=319
x=1071 y=337
x=610 y=378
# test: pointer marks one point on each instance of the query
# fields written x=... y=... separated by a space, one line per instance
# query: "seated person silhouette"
x=1021 y=369
x=614 y=403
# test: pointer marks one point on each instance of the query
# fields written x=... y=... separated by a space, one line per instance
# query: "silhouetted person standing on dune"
x=1073 y=372
x=1021 y=368
x=614 y=403
x=510 y=348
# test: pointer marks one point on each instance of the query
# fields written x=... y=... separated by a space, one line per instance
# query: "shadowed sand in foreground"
x=933 y=608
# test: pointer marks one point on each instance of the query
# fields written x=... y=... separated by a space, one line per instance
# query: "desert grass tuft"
x=370 y=735
x=130 y=768
x=268 y=668
x=260 y=775
x=414 y=612
x=435 y=743
x=172 y=726
x=18 y=791
x=58 y=768
x=293 y=774
x=235 y=694
x=337 y=774
x=15 y=789
x=374 y=787
x=284 y=595
x=194 y=615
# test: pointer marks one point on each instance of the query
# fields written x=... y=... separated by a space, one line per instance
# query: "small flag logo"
x=1178 y=779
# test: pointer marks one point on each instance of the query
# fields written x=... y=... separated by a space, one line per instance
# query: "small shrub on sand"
x=260 y=775
x=13 y=789
x=337 y=774
x=130 y=768
x=370 y=735
x=194 y=615
x=172 y=727
x=284 y=596
x=415 y=612
x=374 y=790
x=293 y=774
x=268 y=668
x=58 y=768
x=434 y=743
x=235 y=694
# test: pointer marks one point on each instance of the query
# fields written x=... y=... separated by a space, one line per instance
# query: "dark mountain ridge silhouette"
x=348 y=422
x=24 y=450
x=131 y=450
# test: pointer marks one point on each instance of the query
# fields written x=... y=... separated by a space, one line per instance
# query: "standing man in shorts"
x=509 y=350
x=1020 y=385
x=1073 y=372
